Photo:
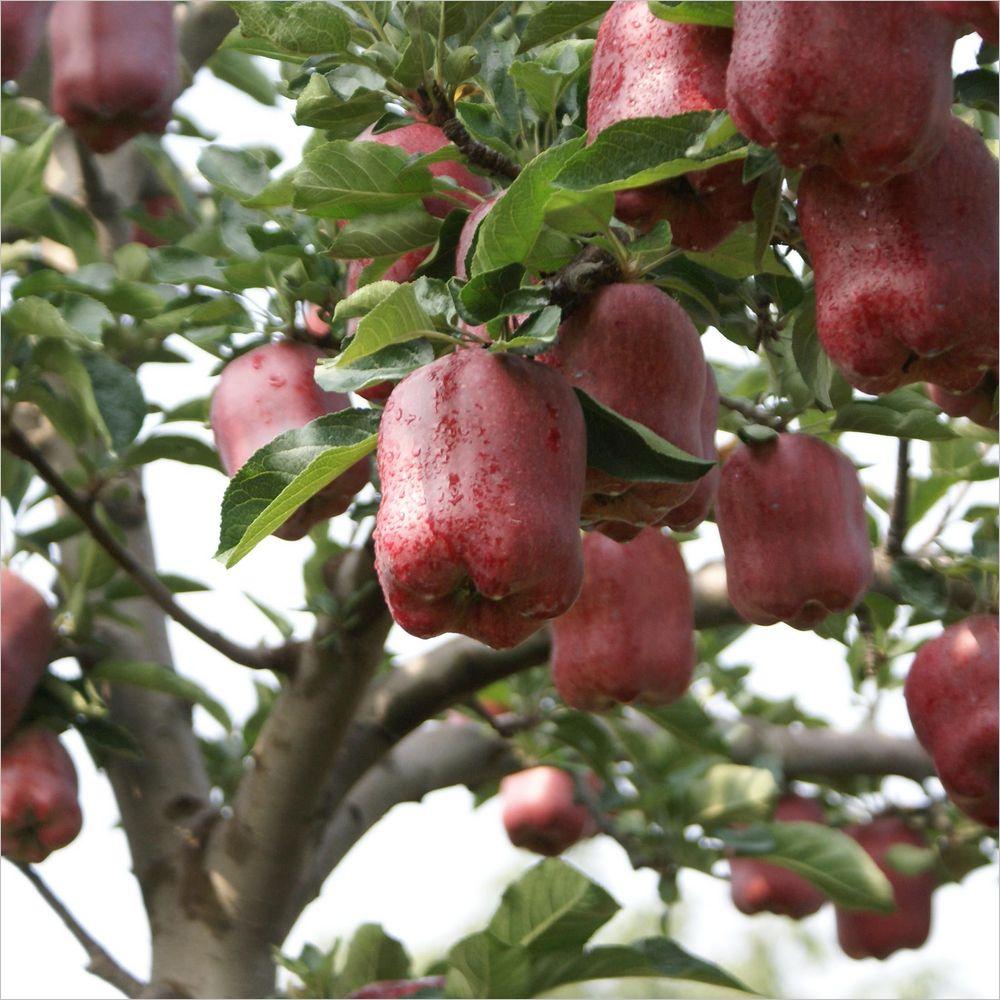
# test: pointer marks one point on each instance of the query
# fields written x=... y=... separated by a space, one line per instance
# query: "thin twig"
x=440 y=111
x=899 y=517
x=755 y=414
x=278 y=660
x=101 y=963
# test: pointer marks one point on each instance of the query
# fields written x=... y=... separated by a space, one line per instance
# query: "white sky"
x=464 y=857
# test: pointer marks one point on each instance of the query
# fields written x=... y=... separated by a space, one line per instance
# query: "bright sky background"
x=431 y=873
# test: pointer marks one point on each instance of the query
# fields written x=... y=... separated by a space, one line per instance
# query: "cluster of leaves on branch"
x=379 y=256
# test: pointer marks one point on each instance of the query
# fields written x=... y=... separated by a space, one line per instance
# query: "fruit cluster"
x=482 y=457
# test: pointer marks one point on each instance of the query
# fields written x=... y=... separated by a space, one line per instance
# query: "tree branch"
x=439 y=110
x=899 y=516
x=437 y=756
x=257 y=853
x=755 y=414
x=100 y=964
x=259 y=659
x=804 y=753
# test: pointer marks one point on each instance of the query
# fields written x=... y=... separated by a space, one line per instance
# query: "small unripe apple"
x=541 y=812
x=115 y=68
x=23 y=24
x=630 y=635
x=951 y=695
x=760 y=887
x=867 y=934
x=265 y=392
x=38 y=796
x=26 y=637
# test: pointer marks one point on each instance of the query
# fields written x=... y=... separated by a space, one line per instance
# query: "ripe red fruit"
x=645 y=67
x=979 y=405
x=802 y=79
x=906 y=273
x=265 y=392
x=696 y=508
x=25 y=645
x=979 y=15
x=386 y=988
x=38 y=796
x=115 y=68
x=630 y=634
x=481 y=458
x=23 y=27
x=760 y=887
x=541 y=812
x=791 y=515
x=951 y=695
x=633 y=349
x=423 y=138
x=866 y=934
x=160 y=206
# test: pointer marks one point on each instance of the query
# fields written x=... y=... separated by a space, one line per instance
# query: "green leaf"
x=483 y=966
x=236 y=172
x=32 y=316
x=57 y=357
x=813 y=363
x=551 y=906
x=871 y=417
x=717 y=13
x=372 y=956
x=545 y=78
x=511 y=227
x=156 y=677
x=284 y=474
x=240 y=71
x=766 y=209
x=23 y=168
x=657 y=957
x=977 y=88
x=344 y=180
x=828 y=858
x=735 y=257
x=123 y=588
x=731 y=792
x=303 y=28
x=387 y=365
x=278 y=620
x=556 y=20
x=535 y=334
x=118 y=396
x=176 y=447
x=411 y=311
x=920 y=586
x=320 y=106
x=500 y=293
x=385 y=235
x=640 y=151
x=628 y=450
